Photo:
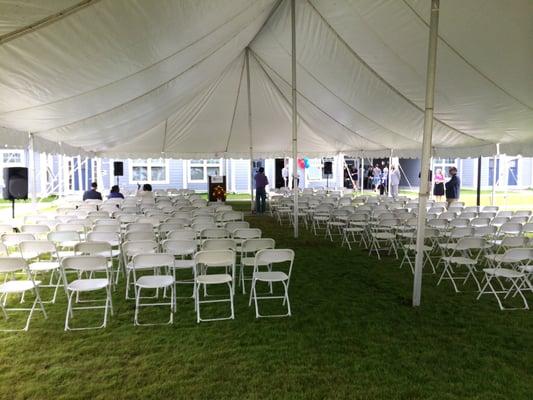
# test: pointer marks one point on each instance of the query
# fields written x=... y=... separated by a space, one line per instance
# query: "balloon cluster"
x=303 y=163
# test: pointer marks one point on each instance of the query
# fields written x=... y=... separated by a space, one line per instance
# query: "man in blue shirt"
x=92 y=194
x=453 y=187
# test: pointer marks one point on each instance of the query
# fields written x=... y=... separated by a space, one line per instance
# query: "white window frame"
x=148 y=164
x=205 y=165
x=22 y=162
x=444 y=164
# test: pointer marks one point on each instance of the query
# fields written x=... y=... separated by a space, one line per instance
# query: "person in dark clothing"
x=114 y=193
x=453 y=187
x=369 y=177
x=261 y=181
x=92 y=194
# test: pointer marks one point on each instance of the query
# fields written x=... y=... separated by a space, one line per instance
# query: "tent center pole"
x=426 y=151
x=294 y=119
x=248 y=90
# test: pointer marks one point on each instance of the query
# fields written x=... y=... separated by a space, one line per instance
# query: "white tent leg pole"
x=32 y=170
x=80 y=175
x=426 y=151
x=361 y=175
x=248 y=90
x=294 y=119
x=494 y=175
x=388 y=176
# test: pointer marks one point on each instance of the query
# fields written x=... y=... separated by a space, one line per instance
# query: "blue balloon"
x=306 y=162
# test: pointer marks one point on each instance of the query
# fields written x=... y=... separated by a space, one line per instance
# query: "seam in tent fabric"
x=465 y=60
x=158 y=62
x=235 y=105
x=288 y=102
x=48 y=20
x=153 y=89
x=389 y=85
x=372 y=121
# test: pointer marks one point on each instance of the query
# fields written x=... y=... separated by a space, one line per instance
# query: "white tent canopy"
x=124 y=78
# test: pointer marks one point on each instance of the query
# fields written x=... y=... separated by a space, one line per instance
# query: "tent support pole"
x=248 y=92
x=361 y=174
x=388 y=175
x=31 y=167
x=426 y=151
x=494 y=175
x=294 y=119
x=478 y=189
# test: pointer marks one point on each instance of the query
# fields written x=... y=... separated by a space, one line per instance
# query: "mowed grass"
x=353 y=335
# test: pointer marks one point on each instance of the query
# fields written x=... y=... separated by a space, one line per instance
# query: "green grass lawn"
x=353 y=335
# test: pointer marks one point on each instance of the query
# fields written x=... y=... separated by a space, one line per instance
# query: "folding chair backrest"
x=5 y=228
x=179 y=247
x=112 y=238
x=275 y=256
x=527 y=228
x=219 y=244
x=522 y=213
x=182 y=234
x=106 y=221
x=232 y=216
x=247 y=233
x=152 y=260
x=64 y=237
x=498 y=221
x=517 y=255
x=107 y=228
x=437 y=223
x=85 y=263
x=504 y=214
x=487 y=214
x=468 y=214
x=35 y=229
x=139 y=235
x=514 y=241
x=80 y=228
x=520 y=220
x=510 y=228
x=170 y=226
x=35 y=248
x=461 y=232
x=232 y=225
x=459 y=222
x=470 y=243
x=14 y=239
x=154 y=221
x=139 y=226
x=93 y=248
x=134 y=247
x=13 y=264
x=484 y=231
x=200 y=226
x=491 y=208
x=215 y=258
x=448 y=215
x=480 y=221
x=254 y=245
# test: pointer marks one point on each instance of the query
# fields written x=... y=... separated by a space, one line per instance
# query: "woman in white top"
x=394 y=181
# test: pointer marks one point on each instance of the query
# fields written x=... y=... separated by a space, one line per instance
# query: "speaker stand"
x=117 y=181
x=13 y=208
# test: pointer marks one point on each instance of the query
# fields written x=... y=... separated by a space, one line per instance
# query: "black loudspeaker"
x=328 y=168
x=118 y=168
x=15 y=183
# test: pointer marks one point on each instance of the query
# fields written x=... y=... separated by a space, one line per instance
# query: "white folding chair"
x=42 y=258
x=272 y=257
x=162 y=277
x=183 y=252
x=465 y=254
x=518 y=259
x=9 y=266
x=131 y=249
x=87 y=265
x=248 y=250
x=65 y=242
x=39 y=231
x=204 y=261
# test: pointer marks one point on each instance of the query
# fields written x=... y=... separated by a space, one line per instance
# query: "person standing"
x=395 y=177
x=438 y=188
x=376 y=177
x=92 y=194
x=261 y=181
x=453 y=187
x=369 y=177
x=285 y=176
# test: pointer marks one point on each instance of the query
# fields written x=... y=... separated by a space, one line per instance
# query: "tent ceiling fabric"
x=126 y=79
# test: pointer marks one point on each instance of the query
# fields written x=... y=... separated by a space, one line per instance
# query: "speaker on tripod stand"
x=118 y=169
x=328 y=171
x=15 y=185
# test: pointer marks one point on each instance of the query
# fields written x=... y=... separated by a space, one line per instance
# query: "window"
x=444 y=164
x=149 y=171
x=199 y=170
x=13 y=157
